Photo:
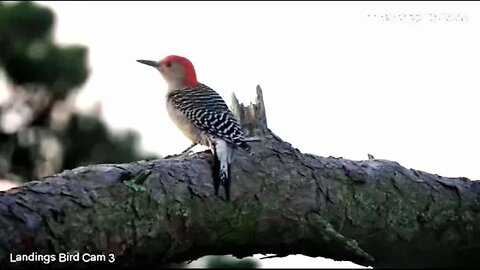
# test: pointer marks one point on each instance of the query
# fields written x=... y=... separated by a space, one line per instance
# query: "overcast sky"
x=398 y=80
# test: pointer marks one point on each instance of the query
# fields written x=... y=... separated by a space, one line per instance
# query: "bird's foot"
x=188 y=151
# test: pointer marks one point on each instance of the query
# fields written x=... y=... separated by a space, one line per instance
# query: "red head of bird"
x=177 y=71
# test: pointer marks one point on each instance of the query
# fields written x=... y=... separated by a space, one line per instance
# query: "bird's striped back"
x=209 y=112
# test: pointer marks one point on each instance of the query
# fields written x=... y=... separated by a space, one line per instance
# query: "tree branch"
x=283 y=202
x=371 y=212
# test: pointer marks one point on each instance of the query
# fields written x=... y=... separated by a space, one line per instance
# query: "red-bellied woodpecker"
x=202 y=115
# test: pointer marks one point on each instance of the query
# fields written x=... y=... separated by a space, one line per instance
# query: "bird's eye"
x=168 y=64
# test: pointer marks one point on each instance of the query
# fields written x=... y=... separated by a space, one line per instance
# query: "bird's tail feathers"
x=216 y=175
x=224 y=175
x=221 y=176
x=222 y=156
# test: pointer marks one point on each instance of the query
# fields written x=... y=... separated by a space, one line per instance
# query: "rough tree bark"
x=371 y=212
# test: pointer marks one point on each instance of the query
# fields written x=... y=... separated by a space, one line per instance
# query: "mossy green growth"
x=129 y=216
x=226 y=222
x=134 y=186
x=107 y=220
x=136 y=183
x=110 y=219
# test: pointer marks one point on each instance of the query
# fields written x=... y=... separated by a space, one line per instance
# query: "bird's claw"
x=187 y=153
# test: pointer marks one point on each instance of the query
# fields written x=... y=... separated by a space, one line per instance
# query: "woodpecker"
x=202 y=115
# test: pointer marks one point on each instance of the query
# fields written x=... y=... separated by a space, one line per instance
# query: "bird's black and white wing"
x=206 y=109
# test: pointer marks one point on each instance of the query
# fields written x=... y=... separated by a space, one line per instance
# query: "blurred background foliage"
x=41 y=133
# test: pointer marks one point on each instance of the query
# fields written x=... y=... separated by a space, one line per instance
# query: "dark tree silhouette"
x=43 y=79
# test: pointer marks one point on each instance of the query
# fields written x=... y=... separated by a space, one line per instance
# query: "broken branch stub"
x=253 y=117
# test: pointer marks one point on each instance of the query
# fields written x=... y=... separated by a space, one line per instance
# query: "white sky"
x=336 y=81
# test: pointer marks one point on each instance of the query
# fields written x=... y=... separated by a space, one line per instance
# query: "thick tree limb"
x=372 y=212
x=283 y=202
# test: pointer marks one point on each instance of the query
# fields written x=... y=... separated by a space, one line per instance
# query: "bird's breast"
x=185 y=125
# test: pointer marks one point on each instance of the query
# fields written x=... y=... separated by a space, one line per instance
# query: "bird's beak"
x=148 y=62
